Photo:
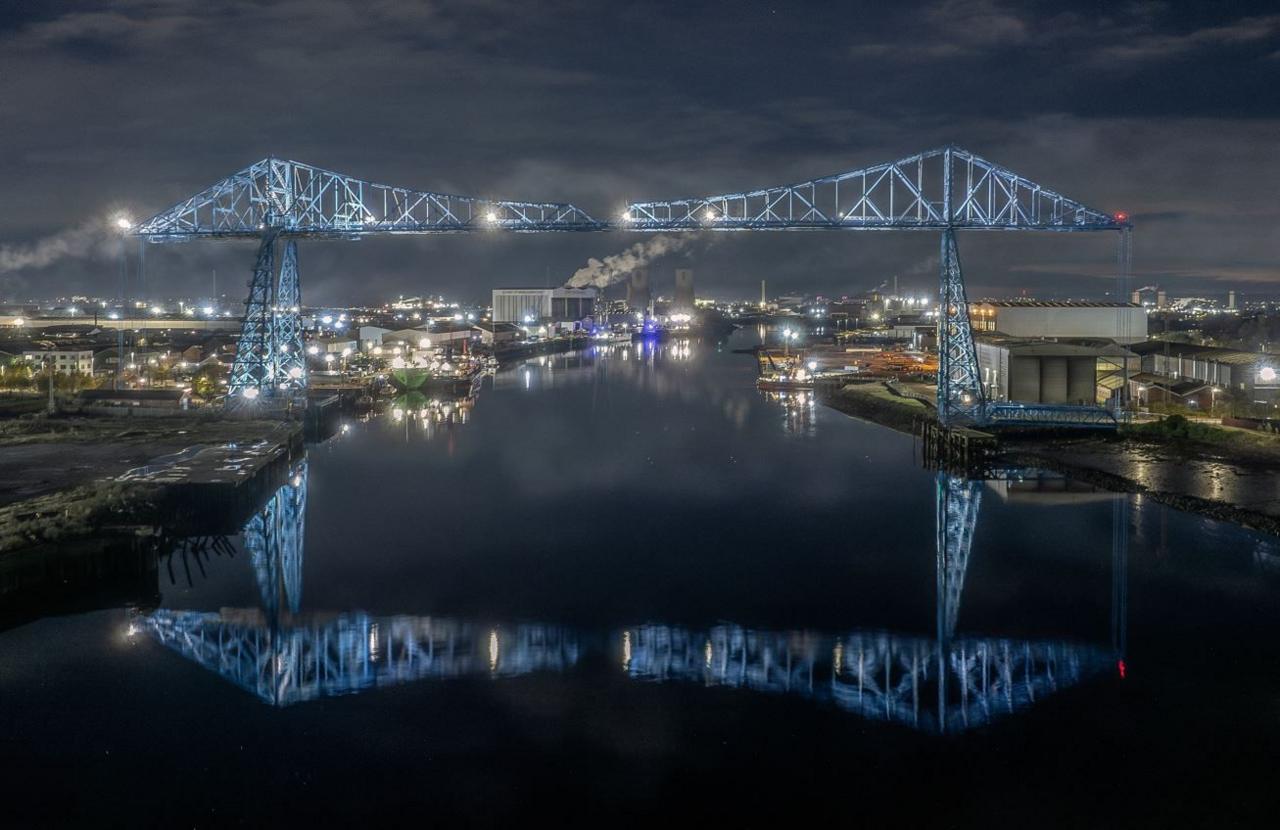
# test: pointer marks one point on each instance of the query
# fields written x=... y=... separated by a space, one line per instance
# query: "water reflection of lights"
x=799 y=411
x=431 y=413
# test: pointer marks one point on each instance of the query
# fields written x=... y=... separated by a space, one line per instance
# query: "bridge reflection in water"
x=943 y=684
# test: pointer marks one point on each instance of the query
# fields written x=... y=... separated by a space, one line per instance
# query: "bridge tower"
x=270 y=365
x=961 y=398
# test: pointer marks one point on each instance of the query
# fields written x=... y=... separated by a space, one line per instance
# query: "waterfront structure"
x=1121 y=322
x=497 y=334
x=1253 y=376
x=63 y=361
x=1079 y=372
x=533 y=305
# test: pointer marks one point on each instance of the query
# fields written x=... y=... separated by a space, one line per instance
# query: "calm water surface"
x=622 y=584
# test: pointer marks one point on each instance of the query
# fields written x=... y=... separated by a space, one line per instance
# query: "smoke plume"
x=89 y=239
x=602 y=273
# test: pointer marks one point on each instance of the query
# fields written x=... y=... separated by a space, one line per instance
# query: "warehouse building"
x=1121 y=322
x=1254 y=375
x=1079 y=371
x=533 y=305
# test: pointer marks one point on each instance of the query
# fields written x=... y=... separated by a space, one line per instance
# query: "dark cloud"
x=1166 y=111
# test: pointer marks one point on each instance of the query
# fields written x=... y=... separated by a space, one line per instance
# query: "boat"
x=785 y=383
x=436 y=375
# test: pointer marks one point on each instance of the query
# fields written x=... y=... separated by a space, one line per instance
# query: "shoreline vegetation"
x=1169 y=446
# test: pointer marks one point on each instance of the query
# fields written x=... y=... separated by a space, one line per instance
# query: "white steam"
x=602 y=273
x=89 y=239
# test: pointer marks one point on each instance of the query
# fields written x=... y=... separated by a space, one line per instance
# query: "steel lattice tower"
x=269 y=359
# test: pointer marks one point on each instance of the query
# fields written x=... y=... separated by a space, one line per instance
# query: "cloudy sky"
x=1168 y=111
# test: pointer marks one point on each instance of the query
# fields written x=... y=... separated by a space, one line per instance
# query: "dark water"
x=623 y=585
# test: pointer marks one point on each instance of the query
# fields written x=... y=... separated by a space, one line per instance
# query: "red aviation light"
x=1122 y=217
x=1120 y=667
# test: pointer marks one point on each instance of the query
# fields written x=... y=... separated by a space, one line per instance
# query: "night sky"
x=1167 y=111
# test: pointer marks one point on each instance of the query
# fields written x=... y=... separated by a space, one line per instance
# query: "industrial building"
x=1077 y=371
x=1253 y=375
x=1121 y=322
x=497 y=334
x=638 y=290
x=529 y=305
x=684 y=299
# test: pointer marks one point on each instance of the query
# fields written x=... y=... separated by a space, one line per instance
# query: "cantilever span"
x=302 y=200
x=945 y=190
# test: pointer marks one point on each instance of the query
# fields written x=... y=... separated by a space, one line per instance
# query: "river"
x=621 y=585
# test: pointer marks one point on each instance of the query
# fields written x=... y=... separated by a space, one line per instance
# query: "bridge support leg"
x=274 y=537
x=291 y=364
x=269 y=363
x=957 y=500
x=960 y=393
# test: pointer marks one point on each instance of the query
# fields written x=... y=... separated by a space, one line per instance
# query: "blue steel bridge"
x=945 y=190
x=941 y=684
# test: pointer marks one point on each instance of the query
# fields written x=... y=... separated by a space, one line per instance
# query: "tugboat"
x=783 y=373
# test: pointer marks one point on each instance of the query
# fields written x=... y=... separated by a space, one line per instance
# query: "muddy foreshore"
x=1234 y=486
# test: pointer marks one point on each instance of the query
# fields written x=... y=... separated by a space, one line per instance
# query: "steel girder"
x=1044 y=414
x=961 y=398
x=909 y=194
x=302 y=200
x=270 y=362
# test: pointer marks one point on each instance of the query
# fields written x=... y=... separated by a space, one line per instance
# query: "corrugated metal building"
x=1121 y=322
x=1078 y=371
x=521 y=305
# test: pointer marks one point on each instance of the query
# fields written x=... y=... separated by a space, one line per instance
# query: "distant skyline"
x=1166 y=111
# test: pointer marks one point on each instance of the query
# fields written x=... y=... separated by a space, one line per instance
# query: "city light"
x=250 y=393
x=313 y=349
x=124 y=223
x=491 y=216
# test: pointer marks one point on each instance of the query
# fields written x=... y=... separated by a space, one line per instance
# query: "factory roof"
x=1195 y=351
x=1022 y=302
x=1055 y=347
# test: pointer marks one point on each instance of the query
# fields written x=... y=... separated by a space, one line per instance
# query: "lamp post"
x=124 y=224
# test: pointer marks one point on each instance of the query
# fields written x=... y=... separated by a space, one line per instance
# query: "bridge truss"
x=945 y=190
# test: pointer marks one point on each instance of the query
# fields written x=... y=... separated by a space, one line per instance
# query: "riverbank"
x=1226 y=474
x=69 y=477
x=873 y=401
